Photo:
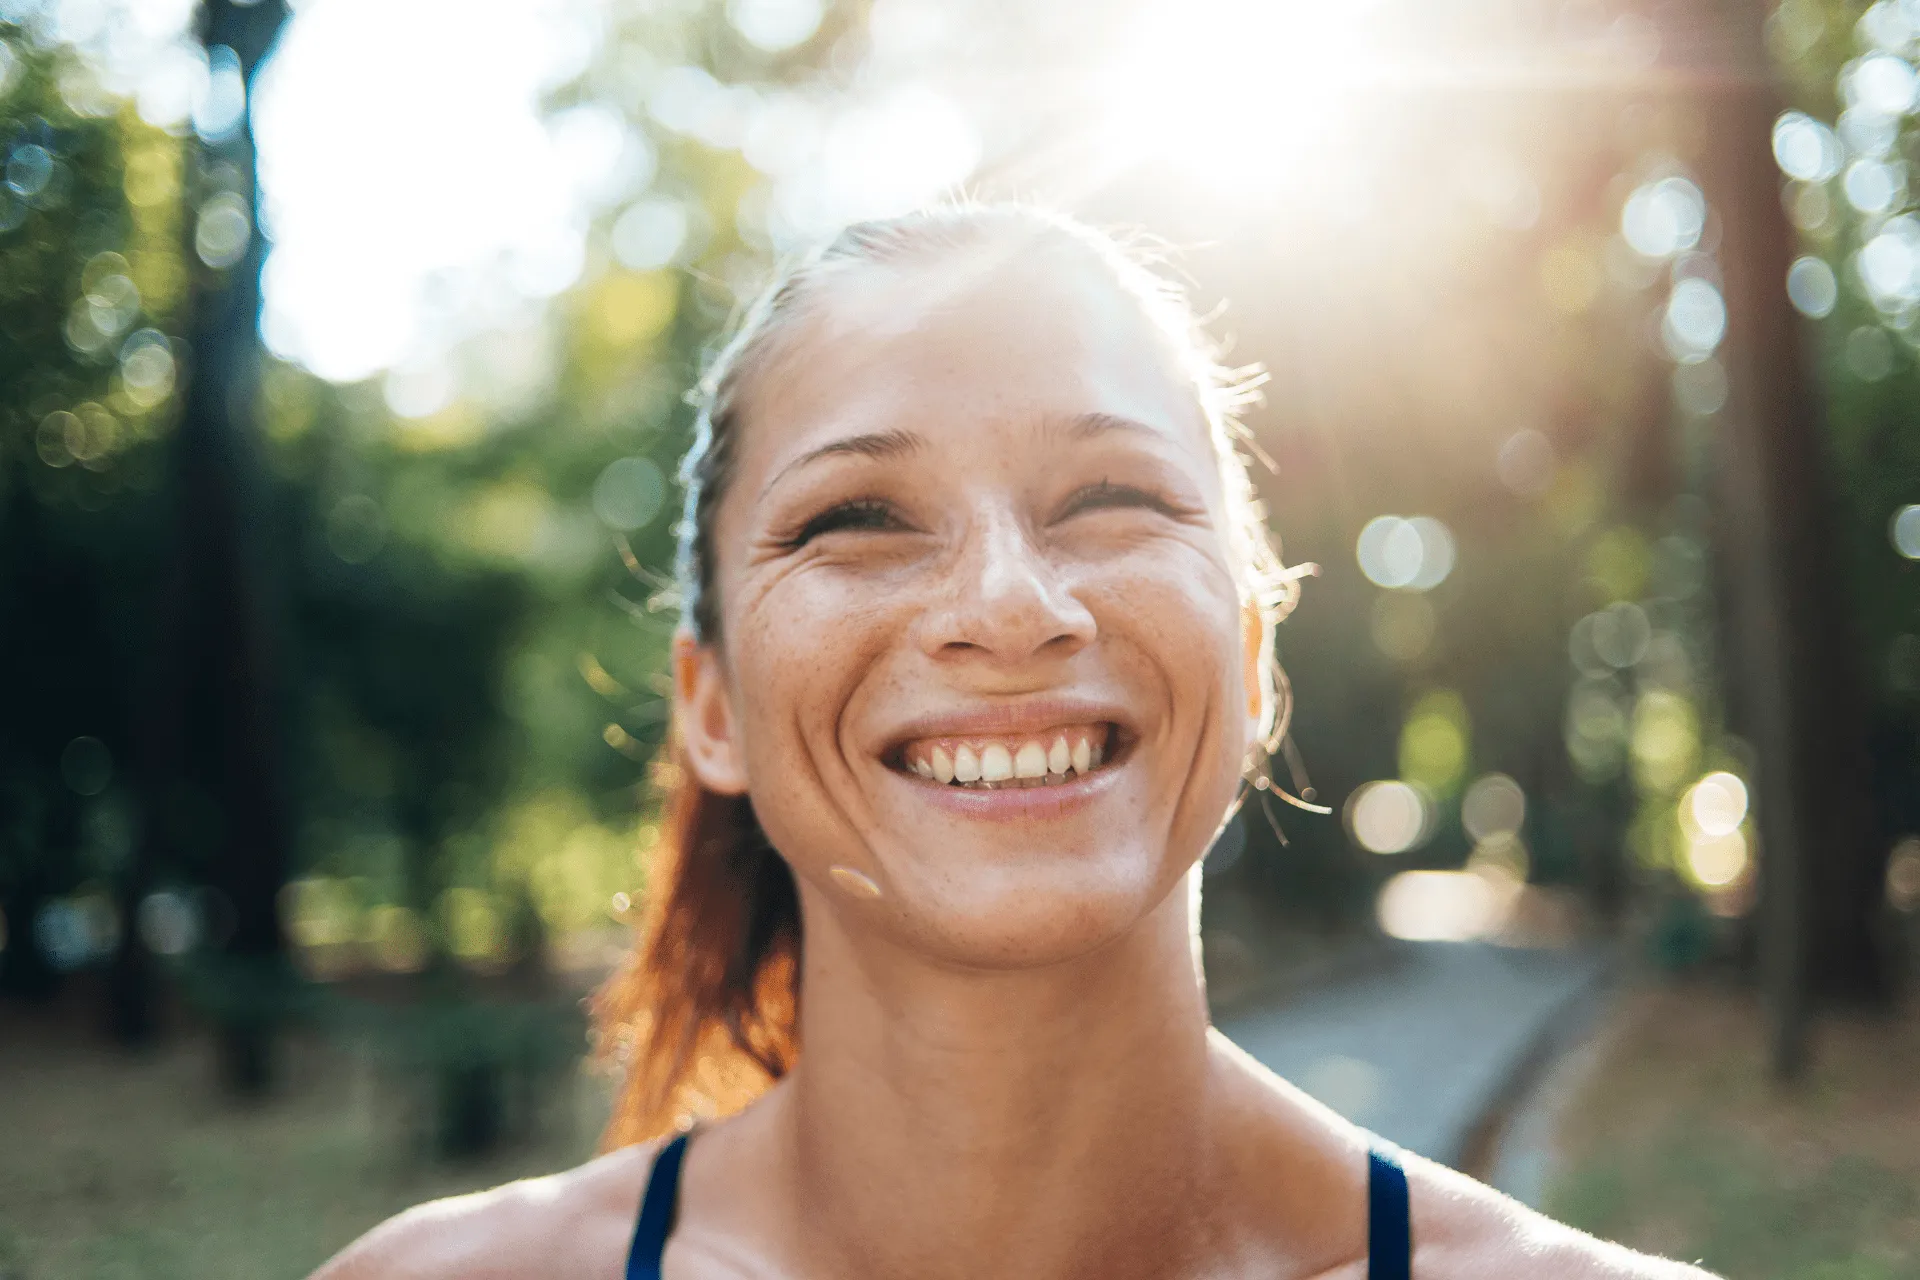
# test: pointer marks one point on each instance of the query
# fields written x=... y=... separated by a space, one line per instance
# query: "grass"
x=116 y=1167
x=1682 y=1145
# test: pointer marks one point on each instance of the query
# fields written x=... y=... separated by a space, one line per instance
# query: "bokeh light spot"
x=1665 y=740
x=1886 y=24
x=1664 y=218
x=1904 y=530
x=1715 y=862
x=628 y=493
x=1889 y=263
x=1903 y=875
x=1700 y=388
x=1716 y=805
x=1873 y=187
x=1434 y=741
x=1619 y=635
x=420 y=390
x=1882 y=83
x=147 y=369
x=1596 y=728
x=221 y=102
x=1525 y=463
x=1811 y=287
x=29 y=170
x=1696 y=320
x=168 y=923
x=74 y=932
x=650 y=233
x=1494 y=805
x=774 y=25
x=222 y=230
x=1444 y=906
x=1805 y=148
x=1415 y=554
x=1619 y=562
x=1388 y=817
x=1808 y=205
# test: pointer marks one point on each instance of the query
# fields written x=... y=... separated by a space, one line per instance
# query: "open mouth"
x=1048 y=758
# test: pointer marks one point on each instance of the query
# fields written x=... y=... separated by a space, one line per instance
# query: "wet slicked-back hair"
x=704 y=1015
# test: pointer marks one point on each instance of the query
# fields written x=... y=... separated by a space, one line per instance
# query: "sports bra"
x=1389 y=1224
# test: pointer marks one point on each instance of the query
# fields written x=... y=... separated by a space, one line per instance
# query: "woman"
x=978 y=638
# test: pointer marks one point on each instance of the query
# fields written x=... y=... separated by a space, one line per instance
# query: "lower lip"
x=1018 y=804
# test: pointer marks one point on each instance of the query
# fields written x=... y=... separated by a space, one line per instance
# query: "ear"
x=1256 y=638
x=703 y=712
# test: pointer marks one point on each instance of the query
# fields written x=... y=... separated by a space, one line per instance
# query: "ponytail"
x=703 y=1016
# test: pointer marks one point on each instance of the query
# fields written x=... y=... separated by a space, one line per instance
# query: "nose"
x=1002 y=601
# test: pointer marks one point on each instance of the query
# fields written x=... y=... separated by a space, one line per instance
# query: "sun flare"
x=1239 y=94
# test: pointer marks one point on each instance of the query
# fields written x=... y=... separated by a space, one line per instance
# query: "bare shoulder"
x=574 y=1224
x=1463 y=1228
x=1308 y=1166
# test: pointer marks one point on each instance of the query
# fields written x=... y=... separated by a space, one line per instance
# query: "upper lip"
x=1008 y=720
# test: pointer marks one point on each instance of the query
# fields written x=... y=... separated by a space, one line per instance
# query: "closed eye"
x=857 y=514
x=1107 y=494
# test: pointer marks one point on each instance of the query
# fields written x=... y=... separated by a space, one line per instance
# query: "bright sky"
x=416 y=194
x=413 y=191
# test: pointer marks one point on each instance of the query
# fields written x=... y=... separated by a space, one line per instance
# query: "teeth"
x=996 y=764
x=966 y=765
x=1011 y=762
x=1031 y=762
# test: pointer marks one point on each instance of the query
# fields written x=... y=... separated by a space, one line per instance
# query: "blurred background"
x=343 y=350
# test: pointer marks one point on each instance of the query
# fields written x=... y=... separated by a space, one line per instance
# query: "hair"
x=704 y=1014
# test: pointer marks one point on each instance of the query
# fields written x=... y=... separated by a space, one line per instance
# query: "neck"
x=975 y=1122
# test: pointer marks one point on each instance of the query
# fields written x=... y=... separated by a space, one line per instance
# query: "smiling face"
x=983 y=660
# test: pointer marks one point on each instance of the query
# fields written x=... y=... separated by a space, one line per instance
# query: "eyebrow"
x=896 y=443
x=1085 y=426
x=899 y=442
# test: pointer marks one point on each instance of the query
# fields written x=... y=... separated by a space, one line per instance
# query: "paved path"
x=1420 y=1049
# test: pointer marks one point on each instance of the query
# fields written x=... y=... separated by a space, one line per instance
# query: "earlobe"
x=703 y=712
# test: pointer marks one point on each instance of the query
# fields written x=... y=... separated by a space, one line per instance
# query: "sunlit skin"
x=1008 y=1069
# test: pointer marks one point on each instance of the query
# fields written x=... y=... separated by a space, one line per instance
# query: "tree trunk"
x=1793 y=690
x=225 y=663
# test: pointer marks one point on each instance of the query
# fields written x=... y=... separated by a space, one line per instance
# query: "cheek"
x=1178 y=625
x=1183 y=614
x=801 y=660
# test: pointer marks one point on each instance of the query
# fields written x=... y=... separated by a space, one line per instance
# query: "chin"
x=1044 y=910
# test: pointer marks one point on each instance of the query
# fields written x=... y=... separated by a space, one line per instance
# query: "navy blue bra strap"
x=1389 y=1221
x=656 y=1213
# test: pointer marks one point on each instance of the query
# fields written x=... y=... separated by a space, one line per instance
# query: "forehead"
x=973 y=338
